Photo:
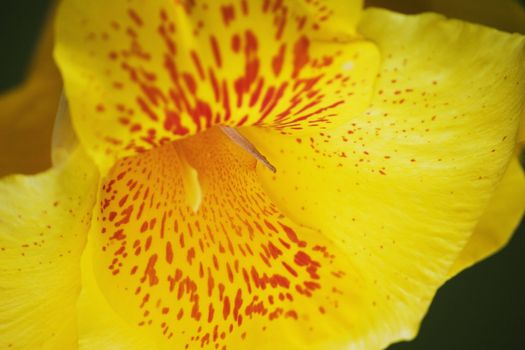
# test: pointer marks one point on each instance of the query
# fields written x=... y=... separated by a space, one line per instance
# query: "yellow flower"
x=393 y=138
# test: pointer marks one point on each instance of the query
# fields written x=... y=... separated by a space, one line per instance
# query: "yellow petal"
x=140 y=75
x=499 y=220
x=99 y=327
x=505 y=211
x=43 y=223
x=401 y=187
x=506 y=15
x=27 y=113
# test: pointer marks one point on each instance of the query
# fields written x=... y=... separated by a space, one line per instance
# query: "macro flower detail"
x=193 y=65
x=387 y=139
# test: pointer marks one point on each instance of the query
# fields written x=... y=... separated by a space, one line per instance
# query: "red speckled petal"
x=139 y=74
x=403 y=186
x=237 y=273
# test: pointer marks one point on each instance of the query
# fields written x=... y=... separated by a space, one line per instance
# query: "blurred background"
x=484 y=306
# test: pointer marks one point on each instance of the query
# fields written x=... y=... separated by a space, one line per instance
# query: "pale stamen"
x=242 y=141
x=64 y=139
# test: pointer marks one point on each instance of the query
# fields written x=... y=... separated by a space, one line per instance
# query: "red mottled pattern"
x=195 y=64
x=236 y=261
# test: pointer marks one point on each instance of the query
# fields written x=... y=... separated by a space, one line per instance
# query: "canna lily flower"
x=257 y=174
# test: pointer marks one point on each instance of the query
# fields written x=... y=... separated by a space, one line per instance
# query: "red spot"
x=274 y=251
x=243 y=120
x=195 y=313
x=237 y=305
x=190 y=82
x=215 y=50
x=144 y=227
x=276 y=99
x=228 y=14
x=118 y=235
x=172 y=122
x=320 y=110
x=163 y=225
x=251 y=43
x=247 y=280
x=291 y=314
x=150 y=272
x=169 y=253
x=145 y=299
x=215 y=85
x=251 y=68
x=236 y=43
x=121 y=250
x=281 y=24
x=278 y=5
x=226 y=102
x=147 y=245
x=135 y=17
x=289 y=269
x=266 y=6
x=210 y=283
x=146 y=109
x=312 y=285
x=284 y=243
x=256 y=93
x=267 y=98
x=270 y=226
x=301 y=21
x=191 y=255
x=210 y=312
x=230 y=273
x=278 y=60
x=172 y=48
x=126 y=215
x=301 y=57
x=226 y=308
x=163 y=15
x=135 y=128
x=302 y=259
x=292 y=235
x=197 y=63
x=244 y=6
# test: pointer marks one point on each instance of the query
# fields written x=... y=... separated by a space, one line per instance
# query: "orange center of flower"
x=198 y=276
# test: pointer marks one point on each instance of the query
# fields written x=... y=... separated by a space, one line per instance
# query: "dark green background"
x=482 y=308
